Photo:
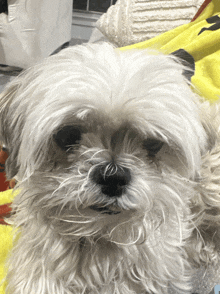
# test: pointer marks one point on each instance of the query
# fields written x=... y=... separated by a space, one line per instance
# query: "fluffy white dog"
x=117 y=162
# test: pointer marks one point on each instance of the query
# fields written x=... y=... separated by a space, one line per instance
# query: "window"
x=85 y=15
x=3 y=6
x=92 y=5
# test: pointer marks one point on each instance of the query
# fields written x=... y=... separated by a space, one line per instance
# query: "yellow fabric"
x=6 y=237
x=6 y=197
x=204 y=47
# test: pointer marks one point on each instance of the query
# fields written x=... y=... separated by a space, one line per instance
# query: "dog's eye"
x=67 y=137
x=152 y=146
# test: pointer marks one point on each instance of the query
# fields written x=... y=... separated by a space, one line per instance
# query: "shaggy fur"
x=117 y=162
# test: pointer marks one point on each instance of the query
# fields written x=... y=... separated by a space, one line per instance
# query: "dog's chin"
x=112 y=205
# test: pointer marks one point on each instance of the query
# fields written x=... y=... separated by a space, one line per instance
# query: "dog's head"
x=106 y=133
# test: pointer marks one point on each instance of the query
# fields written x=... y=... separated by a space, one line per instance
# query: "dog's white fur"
x=165 y=222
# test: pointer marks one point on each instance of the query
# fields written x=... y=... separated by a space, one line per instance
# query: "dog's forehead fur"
x=120 y=85
x=99 y=86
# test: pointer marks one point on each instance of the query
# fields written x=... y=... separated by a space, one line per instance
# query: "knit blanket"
x=133 y=21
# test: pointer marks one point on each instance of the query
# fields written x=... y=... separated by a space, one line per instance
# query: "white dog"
x=117 y=162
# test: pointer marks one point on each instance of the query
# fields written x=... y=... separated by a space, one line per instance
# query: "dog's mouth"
x=111 y=209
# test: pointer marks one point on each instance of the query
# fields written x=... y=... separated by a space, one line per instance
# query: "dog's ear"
x=210 y=118
x=206 y=203
x=8 y=136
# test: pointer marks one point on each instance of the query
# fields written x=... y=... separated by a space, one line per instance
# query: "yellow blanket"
x=199 y=41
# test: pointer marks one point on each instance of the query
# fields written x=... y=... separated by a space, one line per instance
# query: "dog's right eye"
x=68 y=137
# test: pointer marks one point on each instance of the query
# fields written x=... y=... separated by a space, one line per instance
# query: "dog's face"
x=105 y=137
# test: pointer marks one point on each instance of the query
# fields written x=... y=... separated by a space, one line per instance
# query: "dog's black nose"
x=112 y=178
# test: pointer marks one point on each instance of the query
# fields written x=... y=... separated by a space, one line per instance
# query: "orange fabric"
x=3 y=182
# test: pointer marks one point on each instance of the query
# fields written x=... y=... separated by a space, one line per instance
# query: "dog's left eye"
x=152 y=146
x=67 y=137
